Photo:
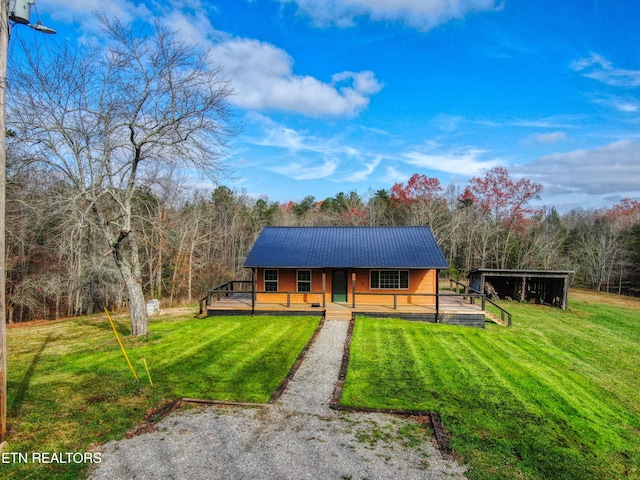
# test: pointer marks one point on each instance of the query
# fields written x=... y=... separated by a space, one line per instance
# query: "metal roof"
x=346 y=247
x=505 y=272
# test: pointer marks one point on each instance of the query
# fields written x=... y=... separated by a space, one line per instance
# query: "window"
x=270 y=280
x=304 y=280
x=389 y=279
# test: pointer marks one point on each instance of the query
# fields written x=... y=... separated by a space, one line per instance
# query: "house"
x=342 y=272
x=549 y=287
x=320 y=264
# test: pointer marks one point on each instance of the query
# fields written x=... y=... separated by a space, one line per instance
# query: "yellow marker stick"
x=147 y=369
x=124 y=352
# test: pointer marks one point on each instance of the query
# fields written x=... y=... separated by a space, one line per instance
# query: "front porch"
x=450 y=307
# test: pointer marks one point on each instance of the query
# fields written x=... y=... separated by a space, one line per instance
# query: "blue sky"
x=342 y=95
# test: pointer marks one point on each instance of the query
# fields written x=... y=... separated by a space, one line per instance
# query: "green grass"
x=556 y=396
x=69 y=386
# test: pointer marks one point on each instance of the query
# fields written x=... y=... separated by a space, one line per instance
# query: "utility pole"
x=18 y=11
x=4 y=48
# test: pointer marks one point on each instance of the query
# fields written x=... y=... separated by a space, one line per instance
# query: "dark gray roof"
x=346 y=247
x=505 y=272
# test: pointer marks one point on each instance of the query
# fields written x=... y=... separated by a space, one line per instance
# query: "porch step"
x=495 y=319
x=338 y=314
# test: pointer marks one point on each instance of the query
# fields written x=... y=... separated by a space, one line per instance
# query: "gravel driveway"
x=298 y=437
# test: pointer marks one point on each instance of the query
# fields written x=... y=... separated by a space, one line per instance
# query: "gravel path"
x=298 y=437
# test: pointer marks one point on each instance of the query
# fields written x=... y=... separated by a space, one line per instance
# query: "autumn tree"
x=505 y=199
x=110 y=117
x=507 y=204
x=422 y=202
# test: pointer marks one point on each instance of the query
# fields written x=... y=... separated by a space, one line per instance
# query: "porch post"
x=437 y=294
x=353 y=289
x=324 y=289
x=253 y=290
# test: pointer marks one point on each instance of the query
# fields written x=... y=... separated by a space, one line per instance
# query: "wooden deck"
x=454 y=310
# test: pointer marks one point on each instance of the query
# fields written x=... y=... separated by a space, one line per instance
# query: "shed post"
x=565 y=293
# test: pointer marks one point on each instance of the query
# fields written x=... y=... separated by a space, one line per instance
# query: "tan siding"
x=420 y=282
x=288 y=282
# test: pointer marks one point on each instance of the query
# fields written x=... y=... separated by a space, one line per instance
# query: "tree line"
x=191 y=241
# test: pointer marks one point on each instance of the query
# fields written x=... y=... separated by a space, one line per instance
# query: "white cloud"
x=599 y=68
x=612 y=169
x=349 y=163
x=193 y=28
x=393 y=176
x=81 y=12
x=363 y=174
x=466 y=163
x=276 y=135
x=551 y=137
x=261 y=73
x=263 y=78
x=447 y=123
x=421 y=14
x=626 y=106
x=190 y=23
x=307 y=171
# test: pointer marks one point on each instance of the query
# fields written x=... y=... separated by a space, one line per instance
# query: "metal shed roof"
x=346 y=247
x=501 y=272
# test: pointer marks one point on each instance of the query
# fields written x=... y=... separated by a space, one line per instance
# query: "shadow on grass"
x=23 y=385
x=123 y=329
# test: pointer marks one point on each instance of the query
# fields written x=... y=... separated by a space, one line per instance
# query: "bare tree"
x=108 y=116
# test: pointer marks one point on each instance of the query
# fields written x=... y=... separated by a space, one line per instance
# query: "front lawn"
x=553 y=397
x=69 y=386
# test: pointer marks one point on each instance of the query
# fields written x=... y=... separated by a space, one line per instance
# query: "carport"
x=549 y=287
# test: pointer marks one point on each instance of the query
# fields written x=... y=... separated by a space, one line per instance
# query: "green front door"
x=339 y=286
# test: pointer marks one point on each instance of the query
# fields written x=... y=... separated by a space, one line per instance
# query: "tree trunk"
x=130 y=272
x=137 y=306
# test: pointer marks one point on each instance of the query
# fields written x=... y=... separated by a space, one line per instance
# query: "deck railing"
x=394 y=295
x=289 y=295
x=229 y=288
x=505 y=316
x=223 y=290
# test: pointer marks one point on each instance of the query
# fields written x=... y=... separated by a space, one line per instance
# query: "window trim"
x=399 y=283
x=298 y=281
x=276 y=281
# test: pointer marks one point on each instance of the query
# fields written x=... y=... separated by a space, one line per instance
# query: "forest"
x=102 y=137
x=190 y=241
